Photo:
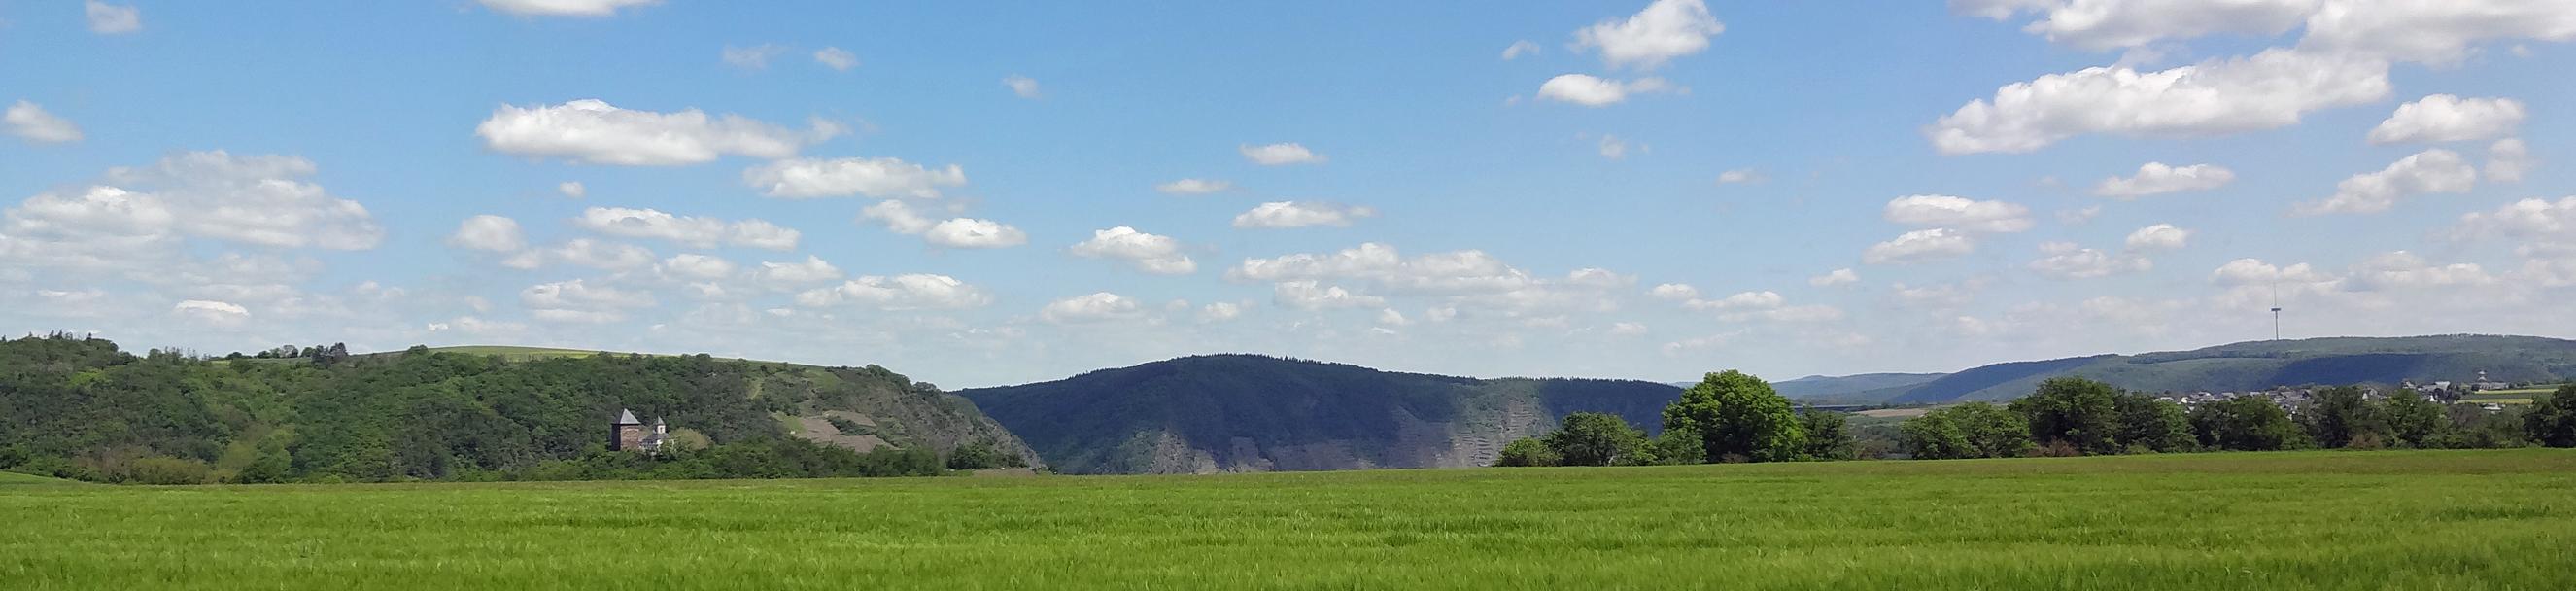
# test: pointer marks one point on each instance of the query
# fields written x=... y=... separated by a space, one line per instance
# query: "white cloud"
x=1456 y=271
x=974 y=233
x=2436 y=32
x=2157 y=178
x=32 y=123
x=2159 y=237
x=2066 y=261
x=1738 y=176
x=1612 y=147
x=1298 y=214
x=572 y=189
x=1959 y=213
x=1810 y=313
x=1150 y=253
x=595 y=132
x=1313 y=295
x=689 y=266
x=1220 y=312
x=2111 y=24
x=134 y=216
x=1678 y=292
x=1022 y=86
x=2404 y=270
x=1096 y=307
x=2269 y=90
x=1920 y=246
x=580 y=301
x=751 y=58
x=2507 y=160
x=898 y=217
x=836 y=58
x=2430 y=171
x=1520 y=48
x=2447 y=118
x=1390 y=317
x=1747 y=300
x=584 y=252
x=919 y=291
x=1665 y=30
x=212 y=312
x=583 y=8
x=1592 y=91
x=2546 y=228
x=2255 y=272
x=1837 y=277
x=694 y=231
x=489 y=233
x=1194 y=187
x=1627 y=329
x=110 y=19
x=1279 y=154
x=842 y=177
x=796 y=274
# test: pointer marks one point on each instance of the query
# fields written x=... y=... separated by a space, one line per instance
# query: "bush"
x=167 y=470
x=1526 y=451
x=983 y=455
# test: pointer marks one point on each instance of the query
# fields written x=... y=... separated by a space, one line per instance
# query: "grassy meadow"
x=2304 y=520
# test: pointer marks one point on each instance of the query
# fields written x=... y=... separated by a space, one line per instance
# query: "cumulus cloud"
x=489 y=233
x=836 y=58
x=110 y=19
x=2507 y=160
x=572 y=189
x=1299 y=214
x=1520 y=48
x=32 y=123
x=212 y=312
x=1150 y=253
x=1614 y=148
x=1665 y=30
x=919 y=291
x=583 y=252
x=1314 y=295
x=2064 y=260
x=2269 y=90
x=1739 y=176
x=694 y=231
x=2430 y=171
x=1920 y=246
x=133 y=216
x=593 y=131
x=1754 y=300
x=1678 y=292
x=1194 y=187
x=2448 y=118
x=1594 y=91
x=1442 y=272
x=2157 y=178
x=2111 y=24
x=1959 y=213
x=1096 y=307
x=580 y=301
x=2546 y=229
x=1837 y=277
x=582 y=8
x=2404 y=270
x=810 y=271
x=804 y=178
x=2158 y=237
x=1279 y=154
x=2432 y=32
x=698 y=267
x=1021 y=86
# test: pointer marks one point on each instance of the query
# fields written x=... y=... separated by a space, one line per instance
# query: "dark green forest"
x=81 y=408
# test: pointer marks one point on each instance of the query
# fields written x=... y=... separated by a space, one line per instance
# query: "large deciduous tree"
x=1740 y=418
x=2075 y=412
x=2552 y=419
x=1597 y=439
x=2341 y=416
x=2153 y=425
x=2246 y=423
x=1971 y=430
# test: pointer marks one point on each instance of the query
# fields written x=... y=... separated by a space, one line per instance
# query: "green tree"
x=2076 y=412
x=2153 y=425
x=1738 y=417
x=1596 y=439
x=2336 y=417
x=1971 y=430
x=2552 y=418
x=2245 y=423
x=1526 y=451
x=1829 y=436
x=1678 y=446
x=2413 y=420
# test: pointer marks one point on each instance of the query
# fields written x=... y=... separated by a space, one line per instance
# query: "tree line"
x=1734 y=417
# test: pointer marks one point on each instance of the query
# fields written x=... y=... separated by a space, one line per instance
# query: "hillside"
x=1840 y=387
x=82 y=407
x=1247 y=413
x=2266 y=364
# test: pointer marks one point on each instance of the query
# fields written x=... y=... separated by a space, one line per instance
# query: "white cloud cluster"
x=2159 y=237
x=593 y=131
x=1836 y=277
x=1314 y=295
x=1280 y=154
x=694 y=231
x=1959 y=213
x=31 y=122
x=2157 y=178
x=1920 y=246
x=751 y=58
x=960 y=232
x=2272 y=89
x=133 y=216
x=919 y=291
x=1665 y=30
x=583 y=302
x=583 y=252
x=2430 y=171
x=1299 y=214
x=1095 y=307
x=1022 y=86
x=1520 y=48
x=2111 y=24
x=2544 y=228
x=1595 y=91
x=2064 y=260
x=2507 y=160
x=581 y=8
x=110 y=19
x=2448 y=118
x=804 y=178
x=1465 y=270
x=1150 y=253
x=1194 y=187
x=836 y=58
x=489 y=233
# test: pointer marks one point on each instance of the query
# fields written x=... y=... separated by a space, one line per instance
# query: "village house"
x=626 y=433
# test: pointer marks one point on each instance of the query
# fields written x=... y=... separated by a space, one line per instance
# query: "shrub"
x=1526 y=451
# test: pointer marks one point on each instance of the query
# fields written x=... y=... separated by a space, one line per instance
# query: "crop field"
x=2306 y=520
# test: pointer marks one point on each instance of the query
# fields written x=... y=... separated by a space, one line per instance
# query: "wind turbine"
x=2276 y=310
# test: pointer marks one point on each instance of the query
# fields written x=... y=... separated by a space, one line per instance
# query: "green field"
x=2308 y=520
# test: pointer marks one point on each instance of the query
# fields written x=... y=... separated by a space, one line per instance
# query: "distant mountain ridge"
x=2266 y=364
x=1840 y=387
x=1236 y=413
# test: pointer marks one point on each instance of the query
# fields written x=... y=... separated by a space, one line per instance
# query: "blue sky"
x=1628 y=189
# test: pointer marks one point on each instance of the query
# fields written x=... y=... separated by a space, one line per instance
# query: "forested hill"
x=80 y=407
x=2266 y=364
x=1221 y=413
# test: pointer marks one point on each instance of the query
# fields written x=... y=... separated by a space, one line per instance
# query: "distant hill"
x=1238 y=413
x=1841 y=387
x=2266 y=364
